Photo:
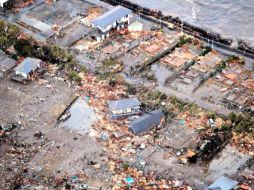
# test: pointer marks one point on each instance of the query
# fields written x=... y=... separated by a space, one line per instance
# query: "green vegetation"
x=74 y=76
x=50 y=53
x=131 y=90
x=221 y=66
x=109 y=69
x=8 y=34
x=108 y=62
x=240 y=123
x=205 y=51
x=219 y=69
x=184 y=40
x=234 y=58
x=154 y=99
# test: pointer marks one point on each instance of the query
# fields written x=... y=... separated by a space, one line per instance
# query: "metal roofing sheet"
x=146 y=122
x=223 y=183
x=123 y=104
x=111 y=16
x=6 y=63
x=29 y=64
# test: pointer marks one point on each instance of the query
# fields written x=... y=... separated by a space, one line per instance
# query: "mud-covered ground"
x=37 y=151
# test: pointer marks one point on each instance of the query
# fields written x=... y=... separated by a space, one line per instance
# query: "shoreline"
x=195 y=31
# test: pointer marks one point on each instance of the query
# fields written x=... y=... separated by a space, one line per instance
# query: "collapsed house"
x=124 y=107
x=28 y=68
x=223 y=183
x=116 y=18
x=146 y=122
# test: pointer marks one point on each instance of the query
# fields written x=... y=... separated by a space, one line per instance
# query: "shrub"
x=205 y=51
x=131 y=90
x=184 y=40
x=74 y=76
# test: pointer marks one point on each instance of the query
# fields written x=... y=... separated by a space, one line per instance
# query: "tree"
x=4 y=42
x=24 y=47
x=13 y=32
x=2 y=27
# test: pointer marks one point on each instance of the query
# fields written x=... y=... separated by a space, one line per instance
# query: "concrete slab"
x=228 y=163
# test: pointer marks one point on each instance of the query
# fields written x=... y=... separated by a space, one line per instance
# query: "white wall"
x=22 y=74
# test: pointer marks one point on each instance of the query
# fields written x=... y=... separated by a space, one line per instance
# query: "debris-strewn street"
x=95 y=96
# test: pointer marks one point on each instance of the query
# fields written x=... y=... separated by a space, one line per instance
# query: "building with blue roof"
x=223 y=183
x=146 y=122
x=27 y=67
x=115 y=18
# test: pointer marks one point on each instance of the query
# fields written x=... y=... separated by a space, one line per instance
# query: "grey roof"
x=223 y=183
x=29 y=64
x=123 y=104
x=111 y=16
x=45 y=28
x=6 y=63
x=146 y=122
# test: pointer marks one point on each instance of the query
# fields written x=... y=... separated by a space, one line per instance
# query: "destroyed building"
x=146 y=122
x=124 y=107
x=116 y=18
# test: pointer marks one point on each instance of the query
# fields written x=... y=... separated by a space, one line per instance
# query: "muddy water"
x=231 y=18
x=161 y=73
x=82 y=117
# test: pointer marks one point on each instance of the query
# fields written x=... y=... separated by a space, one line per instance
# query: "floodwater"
x=232 y=19
x=161 y=73
x=82 y=117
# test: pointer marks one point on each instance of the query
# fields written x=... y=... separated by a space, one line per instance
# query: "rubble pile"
x=178 y=58
x=119 y=143
x=243 y=143
x=237 y=84
x=14 y=157
x=17 y=5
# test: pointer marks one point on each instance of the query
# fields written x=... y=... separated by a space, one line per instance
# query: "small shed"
x=27 y=67
x=223 y=183
x=124 y=107
x=135 y=26
x=146 y=122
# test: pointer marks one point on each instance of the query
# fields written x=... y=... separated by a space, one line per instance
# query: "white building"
x=124 y=107
x=113 y=19
x=27 y=67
